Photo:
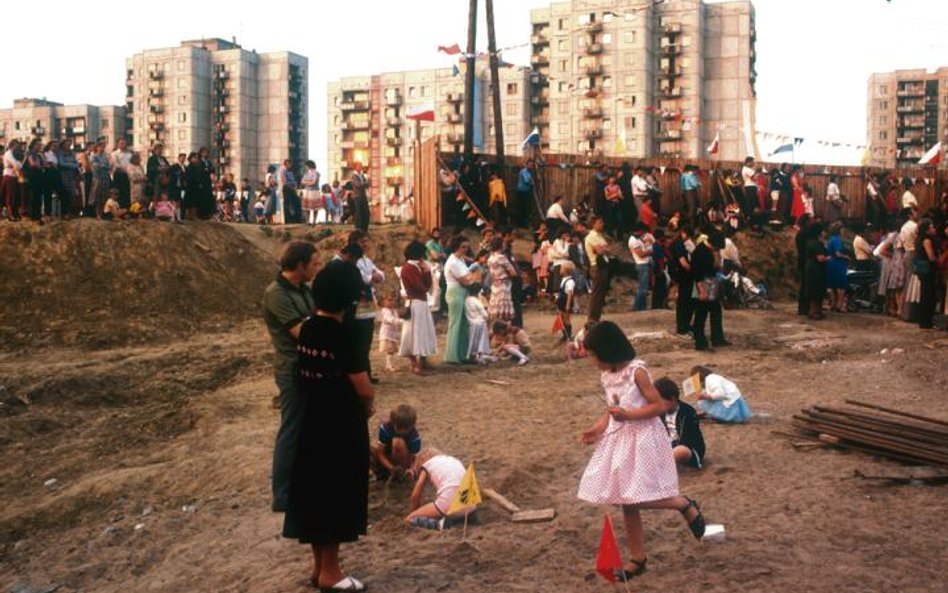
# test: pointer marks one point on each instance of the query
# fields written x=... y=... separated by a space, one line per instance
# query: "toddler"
x=565 y=298
x=399 y=443
x=164 y=208
x=445 y=474
x=682 y=424
x=575 y=347
x=112 y=210
x=511 y=341
x=479 y=338
x=390 y=331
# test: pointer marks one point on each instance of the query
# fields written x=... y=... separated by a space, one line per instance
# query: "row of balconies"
x=913 y=122
x=455 y=97
x=911 y=91
x=911 y=108
x=910 y=140
x=354 y=105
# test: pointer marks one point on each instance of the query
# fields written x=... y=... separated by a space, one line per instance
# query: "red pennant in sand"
x=558 y=325
x=608 y=560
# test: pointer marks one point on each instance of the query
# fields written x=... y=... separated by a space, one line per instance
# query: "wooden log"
x=897 y=434
x=897 y=412
x=882 y=421
x=534 y=516
x=501 y=500
x=904 y=474
x=917 y=453
x=875 y=452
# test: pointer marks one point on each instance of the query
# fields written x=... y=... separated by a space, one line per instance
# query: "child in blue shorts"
x=398 y=443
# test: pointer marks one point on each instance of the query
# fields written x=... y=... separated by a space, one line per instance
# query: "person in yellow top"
x=498 y=198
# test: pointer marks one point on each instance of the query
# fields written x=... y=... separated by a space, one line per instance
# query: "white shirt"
x=871 y=190
x=366 y=269
x=120 y=159
x=832 y=192
x=559 y=252
x=10 y=164
x=556 y=211
x=51 y=157
x=730 y=251
x=862 y=248
x=474 y=310
x=454 y=269
x=908 y=234
x=446 y=473
x=644 y=245
x=747 y=174
x=640 y=187
x=909 y=200
x=722 y=390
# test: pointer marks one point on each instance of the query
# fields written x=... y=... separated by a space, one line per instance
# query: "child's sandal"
x=640 y=568
x=697 y=524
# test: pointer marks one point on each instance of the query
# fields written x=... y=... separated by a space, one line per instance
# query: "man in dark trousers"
x=601 y=265
x=679 y=265
x=286 y=304
x=360 y=198
x=362 y=316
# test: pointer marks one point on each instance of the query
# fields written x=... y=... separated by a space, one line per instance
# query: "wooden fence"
x=573 y=177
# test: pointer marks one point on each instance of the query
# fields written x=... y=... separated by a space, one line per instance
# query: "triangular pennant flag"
x=481 y=222
x=472 y=214
x=465 y=207
x=468 y=493
x=608 y=561
x=715 y=144
x=557 y=325
x=460 y=197
x=661 y=169
x=451 y=50
x=532 y=139
x=455 y=71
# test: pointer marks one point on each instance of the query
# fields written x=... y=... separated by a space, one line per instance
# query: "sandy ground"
x=162 y=455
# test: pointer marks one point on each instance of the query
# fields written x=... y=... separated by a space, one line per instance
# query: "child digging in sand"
x=509 y=340
x=399 y=443
x=445 y=474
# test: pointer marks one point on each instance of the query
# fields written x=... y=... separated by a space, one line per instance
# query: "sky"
x=813 y=56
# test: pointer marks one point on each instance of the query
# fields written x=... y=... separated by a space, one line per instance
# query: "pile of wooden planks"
x=878 y=431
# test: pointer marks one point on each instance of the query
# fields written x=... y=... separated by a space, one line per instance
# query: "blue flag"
x=533 y=139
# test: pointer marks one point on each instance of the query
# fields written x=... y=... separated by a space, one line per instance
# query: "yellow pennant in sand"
x=468 y=493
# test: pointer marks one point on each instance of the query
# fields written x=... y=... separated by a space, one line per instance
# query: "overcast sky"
x=814 y=56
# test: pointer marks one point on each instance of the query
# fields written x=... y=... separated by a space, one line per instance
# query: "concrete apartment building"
x=907 y=113
x=250 y=110
x=367 y=120
x=664 y=78
x=30 y=118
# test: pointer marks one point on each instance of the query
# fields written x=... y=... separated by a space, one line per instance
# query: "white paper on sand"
x=713 y=533
x=691 y=386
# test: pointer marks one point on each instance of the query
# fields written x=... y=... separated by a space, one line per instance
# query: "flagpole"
x=464 y=531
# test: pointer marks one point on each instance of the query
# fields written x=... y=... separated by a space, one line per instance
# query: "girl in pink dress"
x=633 y=464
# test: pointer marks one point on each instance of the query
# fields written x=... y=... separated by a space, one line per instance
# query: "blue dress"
x=836 y=267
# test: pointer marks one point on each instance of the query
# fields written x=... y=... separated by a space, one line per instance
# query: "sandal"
x=640 y=568
x=346 y=584
x=697 y=524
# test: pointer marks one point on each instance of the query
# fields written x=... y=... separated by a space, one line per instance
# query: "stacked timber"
x=878 y=431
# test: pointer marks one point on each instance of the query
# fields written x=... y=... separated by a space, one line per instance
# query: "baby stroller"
x=863 y=290
x=740 y=292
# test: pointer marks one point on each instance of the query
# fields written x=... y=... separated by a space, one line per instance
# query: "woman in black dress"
x=329 y=489
x=815 y=271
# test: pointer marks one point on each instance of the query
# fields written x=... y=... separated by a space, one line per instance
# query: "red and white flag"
x=422 y=112
x=715 y=144
x=932 y=157
x=451 y=50
x=608 y=561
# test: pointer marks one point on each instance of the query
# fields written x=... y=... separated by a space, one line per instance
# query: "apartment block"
x=30 y=118
x=367 y=120
x=907 y=113
x=249 y=109
x=635 y=78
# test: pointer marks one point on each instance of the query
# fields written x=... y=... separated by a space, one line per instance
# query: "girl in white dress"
x=633 y=464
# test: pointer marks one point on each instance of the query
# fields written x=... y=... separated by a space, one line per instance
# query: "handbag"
x=712 y=289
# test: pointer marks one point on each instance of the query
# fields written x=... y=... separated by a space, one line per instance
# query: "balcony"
x=535 y=78
x=455 y=138
x=671 y=92
x=541 y=99
x=671 y=28
x=224 y=160
x=454 y=118
x=672 y=49
x=592 y=69
x=393 y=161
x=592 y=113
x=539 y=120
x=911 y=91
x=156 y=74
x=354 y=106
x=912 y=108
x=668 y=135
x=356 y=124
x=909 y=140
x=393 y=100
x=223 y=74
x=38 y=130
x=594 y=27
x=911 y=155
x=156 y=109
x=223 y=109
x=539 y=39
x=393 y=141
x=156 y=93
x=540 y=59
x=394 y=121
x=592 y=133
x=455 y=97
x=594 y=49
x=913 y=122
x=671 y=70
x=156 y=126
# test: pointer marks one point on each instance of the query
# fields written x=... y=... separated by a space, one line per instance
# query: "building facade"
x=367 y=120
x=250 y=110
x=32 y=118
x=907 y=114
x=635 y=78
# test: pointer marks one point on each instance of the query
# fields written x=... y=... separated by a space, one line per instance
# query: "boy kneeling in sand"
x=445 y=474
x=682 y=424
x=399 y=443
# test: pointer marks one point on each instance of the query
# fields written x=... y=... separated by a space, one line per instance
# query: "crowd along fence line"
x=573 y=176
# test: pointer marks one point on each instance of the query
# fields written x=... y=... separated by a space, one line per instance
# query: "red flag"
x=608 y=560
x=715 y=144
x=932 y=157
x=423 y=112
x=451 y=50
x=557 y=325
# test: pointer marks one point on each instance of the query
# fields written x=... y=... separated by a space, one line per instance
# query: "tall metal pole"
x=495 y=83
x=469 y=79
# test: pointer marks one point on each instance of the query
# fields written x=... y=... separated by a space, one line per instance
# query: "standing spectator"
x=360 y=187
x=875 y=205
x=34 y=164
x=707 y=295
x=449 y=187
x=497 y=193
x=834 y=201
x=556 y=218
x=52 y=208
x=908 y=198
x=86 y=205
x=689 y=190
x=364 y=317
x=502 y=273
x=660 y=267
x=311 y=195
x=800 y=240
x=908 y=238
x=292 y=210
x=68 y=178
x=205 y=205
x=798 y=205
x=136 y=184
x=457 y=277
x=526 y=184
x=287 y=303
x=600 y=266
x=101 y=180
x=194 y=186
x=630 y=214
x=329 y=489
x=615 y=218
x=836 y=268
x=815 y=282
x=178 y=183
x=640 y=189
x=640 y=244
x=10 y=186
x=680 y=265
x=120 y=158
x=419 y=340
x=925 y=268
x=776 y=190
x=751 y=204
x=654 y=193
x=158 y=173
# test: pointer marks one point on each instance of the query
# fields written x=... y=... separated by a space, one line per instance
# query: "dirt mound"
x=101 y=285
x=771 y=259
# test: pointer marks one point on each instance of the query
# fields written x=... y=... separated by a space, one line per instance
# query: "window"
x=563 y=65
x=561 y=24
x=563 y=86
x=182 y=83
x=510 y=129
x=883 y=135
x=182 y=134
x=513 y=109
x=606 y=38
x=183 y=117
x=180 y=65
x=425 y=91
x=583 y=19
x=607 y=82
x=606 y=124
x=511 y=88
x=16 y=125
x=182 y=99
x=883 y=89
x=564 y=128
x=412 y=92
x=562 y=44
x=630 y=123
x=628 y=38
x=103 y=123
x=883 y=105
x=563 y=108
x=632 y=102
x=607 y=17
x=883 y=120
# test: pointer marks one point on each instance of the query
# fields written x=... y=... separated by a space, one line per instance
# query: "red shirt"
x=416 y=281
